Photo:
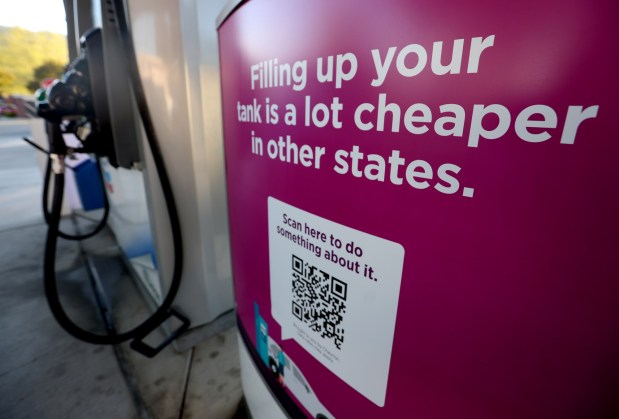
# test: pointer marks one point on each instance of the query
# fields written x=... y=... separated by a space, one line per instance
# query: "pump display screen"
x=424 y=202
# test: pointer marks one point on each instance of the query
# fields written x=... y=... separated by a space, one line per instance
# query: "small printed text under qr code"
x=319 y=300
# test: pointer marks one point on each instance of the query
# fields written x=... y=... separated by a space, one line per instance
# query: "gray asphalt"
x=20 y=177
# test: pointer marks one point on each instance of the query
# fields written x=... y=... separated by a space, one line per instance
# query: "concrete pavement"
x=44 y=372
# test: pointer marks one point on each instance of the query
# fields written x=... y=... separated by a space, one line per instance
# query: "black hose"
x=49 y=263
x=46 y=212
x=45 y=198
x=51 y=291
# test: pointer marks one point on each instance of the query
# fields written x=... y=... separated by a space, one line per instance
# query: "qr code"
x=319 y=300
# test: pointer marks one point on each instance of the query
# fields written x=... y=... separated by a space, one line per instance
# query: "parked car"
x=8 y=110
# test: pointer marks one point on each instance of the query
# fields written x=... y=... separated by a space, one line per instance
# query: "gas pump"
x=423 y=203
x=159 y=139
x=82 y=93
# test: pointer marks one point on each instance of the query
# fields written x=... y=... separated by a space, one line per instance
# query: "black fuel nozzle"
x=70 y=99
x=70 y=96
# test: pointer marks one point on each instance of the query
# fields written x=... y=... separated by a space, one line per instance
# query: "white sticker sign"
x=334 y=290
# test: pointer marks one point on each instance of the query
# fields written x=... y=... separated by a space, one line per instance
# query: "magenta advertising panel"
x=424 y=205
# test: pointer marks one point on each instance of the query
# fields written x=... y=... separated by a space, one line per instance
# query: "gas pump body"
x=177 y=59
x=423 y=206
x=98 y=87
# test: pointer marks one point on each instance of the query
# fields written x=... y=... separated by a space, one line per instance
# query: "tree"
x=6 y=81
x=21 y=51
x=49 y=69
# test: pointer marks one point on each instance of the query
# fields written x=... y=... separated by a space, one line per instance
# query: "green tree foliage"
x=21 y=51
x=49 y=69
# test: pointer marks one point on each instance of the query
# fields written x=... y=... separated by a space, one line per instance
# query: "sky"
x=34 y=15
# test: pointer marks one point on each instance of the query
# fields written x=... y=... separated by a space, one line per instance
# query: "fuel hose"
x=46 y=212
x=162 y=313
